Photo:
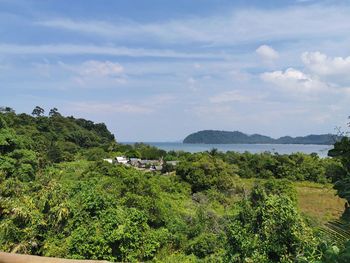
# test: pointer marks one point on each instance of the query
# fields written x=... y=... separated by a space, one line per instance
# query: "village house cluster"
x=152 y=165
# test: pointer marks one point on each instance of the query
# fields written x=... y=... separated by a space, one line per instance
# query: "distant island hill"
x=236 y=137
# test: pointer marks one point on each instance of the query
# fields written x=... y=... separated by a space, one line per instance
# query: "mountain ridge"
x=237 y=137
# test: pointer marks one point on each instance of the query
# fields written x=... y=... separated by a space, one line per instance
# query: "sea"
x=321 y=150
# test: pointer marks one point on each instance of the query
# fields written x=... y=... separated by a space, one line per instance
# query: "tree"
x=38 y=111
x=214 y=152
x=54 y=112
x=269 y=229
x=3 y=123
x=206 y=171
x=6 y=110
x=9 y=141
x=341 y=151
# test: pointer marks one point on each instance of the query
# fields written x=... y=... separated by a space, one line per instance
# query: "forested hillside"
x=54 y=138
x=59 y=198
x=228 y=137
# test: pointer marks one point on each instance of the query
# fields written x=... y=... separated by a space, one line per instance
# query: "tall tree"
x=6 y=110
x=38 y=111
x=341 y=151
x=54 y=112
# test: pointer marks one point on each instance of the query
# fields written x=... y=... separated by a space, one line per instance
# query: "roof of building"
x=172 y=162
x=121 y=159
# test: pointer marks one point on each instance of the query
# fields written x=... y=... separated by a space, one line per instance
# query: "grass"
x=317 y=201
x=320 y=203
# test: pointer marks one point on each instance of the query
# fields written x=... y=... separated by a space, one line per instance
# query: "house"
x=121 y=160
x=156 y=168
x=153 y=165
x=144 y=163
x=135 y=162
x=173 y=163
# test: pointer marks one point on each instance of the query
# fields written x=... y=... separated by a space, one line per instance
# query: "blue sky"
x=159 y=70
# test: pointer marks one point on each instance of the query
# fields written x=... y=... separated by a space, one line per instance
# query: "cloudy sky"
x=157 y=70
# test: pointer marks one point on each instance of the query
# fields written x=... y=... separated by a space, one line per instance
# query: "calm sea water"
x=321 y=150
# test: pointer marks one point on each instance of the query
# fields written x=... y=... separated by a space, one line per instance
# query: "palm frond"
x=337 y=230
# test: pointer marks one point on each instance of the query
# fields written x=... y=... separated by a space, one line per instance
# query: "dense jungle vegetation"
x=59 y=198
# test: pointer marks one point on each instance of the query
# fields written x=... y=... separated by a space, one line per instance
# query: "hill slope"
x=55 y=137
x=227 y=137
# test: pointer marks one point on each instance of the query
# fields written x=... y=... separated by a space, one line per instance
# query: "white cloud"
x=233 y=96
x=90 y=74
x=161 y=100
x=322 y=118
x=321 y=64
x=239 y=75
x=101 y=68
x=94 y=73
x=238 y=26
x=267 y=53
x=211 y=111
x=295 y=81
x=192 y=84
x=44 y=69
x=71 y=49
x=145 y=106
x=95 y=27
x=109 y=108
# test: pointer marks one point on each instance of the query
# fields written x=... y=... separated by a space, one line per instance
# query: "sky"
x=158 y=70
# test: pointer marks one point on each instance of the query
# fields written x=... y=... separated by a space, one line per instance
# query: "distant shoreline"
x=320 y=149
x=184 y=143
x=262 y=143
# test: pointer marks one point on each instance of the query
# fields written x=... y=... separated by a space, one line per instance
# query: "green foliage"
x=133 y=154
x=268 y=228
x=83 y=218
x=334 y=254
x=38 y=111
x=273 y=187
x=6 y=110
x=204 y=171
x=3 y=123
x=344 y=254
x=55 y=138
x=54 y=112
x=146 y=151
x=204 y=245
x=16 y=159
x=121 y=235
x=167 y=168
x=9 y=141
x=341 y=151
x=296 y=167
x=94 y=154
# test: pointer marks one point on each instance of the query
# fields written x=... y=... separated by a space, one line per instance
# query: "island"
x=237 y=137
